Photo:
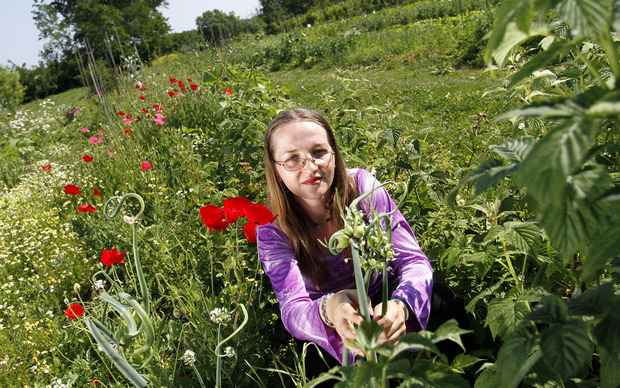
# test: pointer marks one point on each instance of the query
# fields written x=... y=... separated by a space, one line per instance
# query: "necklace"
x=321 y=223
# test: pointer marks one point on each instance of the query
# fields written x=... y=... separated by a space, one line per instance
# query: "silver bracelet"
x=324 y=310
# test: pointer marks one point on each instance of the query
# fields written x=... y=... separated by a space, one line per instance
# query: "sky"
x=19 y=37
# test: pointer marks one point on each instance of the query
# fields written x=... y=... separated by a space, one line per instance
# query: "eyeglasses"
x=320 y=158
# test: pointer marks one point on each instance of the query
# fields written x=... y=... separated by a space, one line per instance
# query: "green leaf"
x=513 y=36
x=434 y=374
x=463 y=361
x=514 y=151
x=560 y=152
x=209 y=77
x=525 y=236
x=587 y=17
x=610 y=370
x=566 y=346
x=484 y=176
x=503 y=19
x=368 y=374
x=407 y=342
x=449 y=330
x=607 y=331
x=552 y=309
x=486 y=292
x=392 y=135
x=487 y=378
x=482 y=260
x=541 y=60
x=594 y=302
x=512 y=358
x=602 y=249
x=503 y=315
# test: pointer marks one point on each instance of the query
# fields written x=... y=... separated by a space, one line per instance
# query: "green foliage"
x=569 y=186
x=11 y=90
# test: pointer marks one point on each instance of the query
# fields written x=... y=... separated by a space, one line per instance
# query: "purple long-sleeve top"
x=299 y=297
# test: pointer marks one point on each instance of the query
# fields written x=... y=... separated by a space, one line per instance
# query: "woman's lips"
x=313 y=181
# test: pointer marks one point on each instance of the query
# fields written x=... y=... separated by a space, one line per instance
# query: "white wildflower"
x=220 y=315
x=189 y=358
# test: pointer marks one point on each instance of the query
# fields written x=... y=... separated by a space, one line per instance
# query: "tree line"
x=109 y=32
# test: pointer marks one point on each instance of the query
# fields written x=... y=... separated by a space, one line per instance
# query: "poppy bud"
x=77 y=288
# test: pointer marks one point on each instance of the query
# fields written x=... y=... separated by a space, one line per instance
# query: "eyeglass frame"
x=305 y=160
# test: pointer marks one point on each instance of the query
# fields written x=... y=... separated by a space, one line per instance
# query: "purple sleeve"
x=415 y=275
x=300 y=314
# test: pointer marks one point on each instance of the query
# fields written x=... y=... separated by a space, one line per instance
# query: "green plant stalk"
x=202 y=384
x=346 y=356
x=509 y=262
x=123 y=366
x=218 y=371
x=359 y=283
x=218 y=359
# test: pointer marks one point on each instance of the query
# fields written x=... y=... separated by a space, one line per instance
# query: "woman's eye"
x=292 y=159
x=319 y=153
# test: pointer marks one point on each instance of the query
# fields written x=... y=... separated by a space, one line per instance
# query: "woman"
x=316 y=290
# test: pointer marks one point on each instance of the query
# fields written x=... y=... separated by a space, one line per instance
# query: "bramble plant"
x=570 y=175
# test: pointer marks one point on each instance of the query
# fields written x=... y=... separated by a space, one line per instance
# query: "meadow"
x=114 y=273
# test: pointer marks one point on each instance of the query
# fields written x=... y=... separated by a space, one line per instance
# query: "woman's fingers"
x=393 y=322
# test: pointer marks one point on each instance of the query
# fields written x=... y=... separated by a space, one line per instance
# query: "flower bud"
x=77 y=288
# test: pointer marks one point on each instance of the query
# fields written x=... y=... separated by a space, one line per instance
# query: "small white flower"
x=522 y=126
x=220 y=315
x=189 y=358
x=229 y=352
x=99 y=284
x=131 y=220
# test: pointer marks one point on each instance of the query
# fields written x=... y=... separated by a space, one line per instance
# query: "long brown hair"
x=292 y=219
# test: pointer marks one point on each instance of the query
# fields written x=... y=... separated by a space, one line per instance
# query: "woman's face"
x=304 y=140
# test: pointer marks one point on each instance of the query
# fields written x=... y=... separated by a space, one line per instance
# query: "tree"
x=216 y=26
x=11 y=91
x=104 y=25
x=275 y=12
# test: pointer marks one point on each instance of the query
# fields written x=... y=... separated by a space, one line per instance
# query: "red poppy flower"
x=142 y=98
x=129 y=116
x=189 y=80
x=214 y=218
x=45 y=168
x=171 y=94
x=235 y=208
x=120 y=112
x=70 y=189
x=128 y=131
x=193 y=87
x=87 y=208
x=172 y=79
x=112 y=256
x=87 y=158
x=146 y=165
x=137 y=86
x=74 y=310
x=96 y=192
x=228 y=91
x=142 y=89
x=209 y=68
x=249 y=230
x=259 y=214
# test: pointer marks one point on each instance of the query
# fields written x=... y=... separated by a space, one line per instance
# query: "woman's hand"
x=342 y=311
x=394 y=320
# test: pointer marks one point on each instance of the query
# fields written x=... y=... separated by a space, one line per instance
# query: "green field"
x=517 y=212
